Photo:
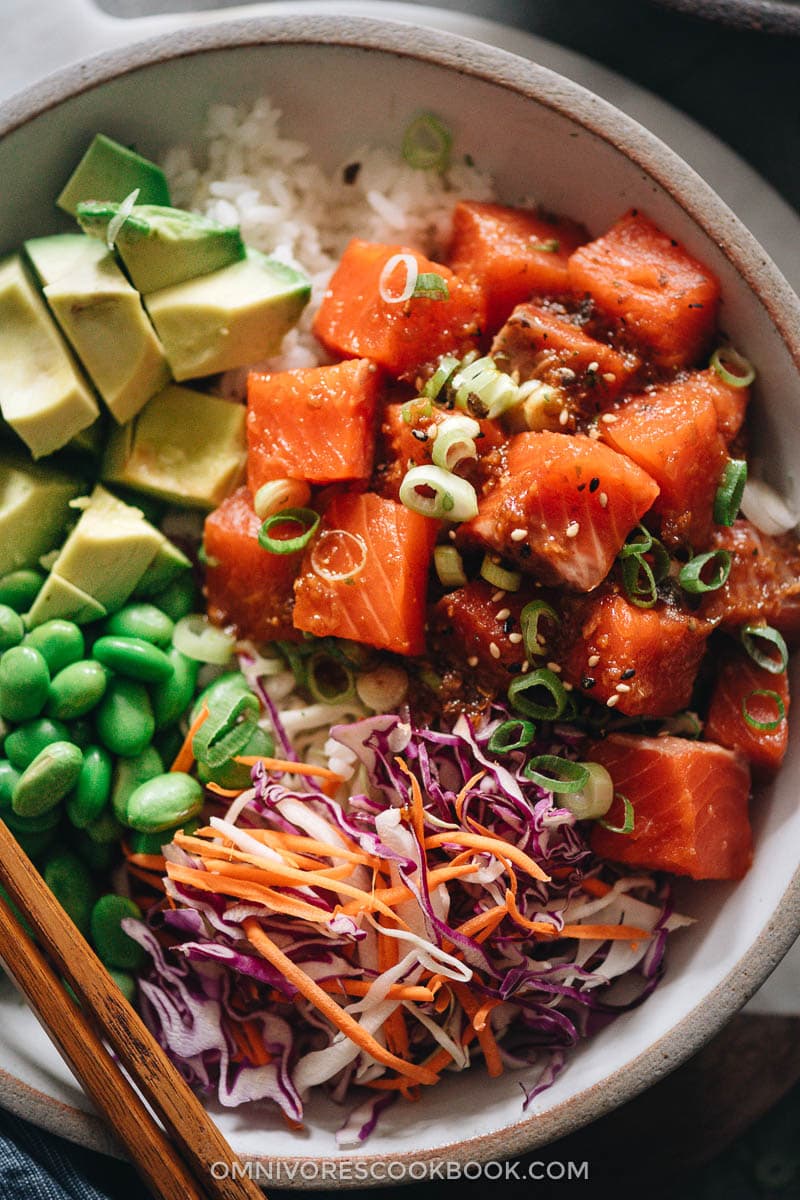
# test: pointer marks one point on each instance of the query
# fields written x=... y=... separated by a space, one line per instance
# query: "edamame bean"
x=236 y=775
x=143 y=621
x=24 y=683
x=125 y=982
x=164 y=802
x=133 y=658
x=106 y=830
x=129 y=773
x=98 y=856
x=52 y=774
x=81 y=732
x=113 y=945
x=124 y=721
x=77 y=689
x=59 y=643
x=36 y=824
x=28 y=740
x=178 y=598
x=20 y=588
x=70 y=881
x=8 y=781
x=153 y=843
x=172 y=697
x=35 y=844
x=12 y=631
x=90 y=796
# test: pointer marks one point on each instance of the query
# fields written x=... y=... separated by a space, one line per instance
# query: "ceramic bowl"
x=343 y=82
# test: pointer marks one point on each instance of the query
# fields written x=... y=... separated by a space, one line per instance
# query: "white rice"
x=286 y=205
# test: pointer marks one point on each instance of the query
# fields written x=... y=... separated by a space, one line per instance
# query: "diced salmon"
x=689 y=802
x=537 y=344
x=408 y=337
x=512 y=253
x=672 y=432
x=468 y=622
x=365 y=575
x=730 y=402
x=406 y=443
x=316 y=424
x=645 y=660
x=764 y=581
x=562 y=508
x=739 y=682
x=246 y=586
x=660 y=298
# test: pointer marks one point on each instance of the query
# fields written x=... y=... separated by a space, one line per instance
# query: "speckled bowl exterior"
x=343 y=83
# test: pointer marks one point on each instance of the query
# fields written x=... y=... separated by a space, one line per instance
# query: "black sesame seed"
x=351 y=172
x=581 y=486
x=628 y=673
x=588 y=682
x=594 y=484
x=508 y=625
x=419 y=434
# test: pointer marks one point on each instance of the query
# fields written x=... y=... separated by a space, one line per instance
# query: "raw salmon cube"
x=316 y=424
x=364 y=577
x=689 y=802
x=739 y=682
x=407 y=443
x=468 y=622
x=512 y=253
x=661 y=299
x=764 y=581
x=247 y=587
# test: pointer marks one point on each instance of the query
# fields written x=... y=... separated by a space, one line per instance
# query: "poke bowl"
x=328 y=130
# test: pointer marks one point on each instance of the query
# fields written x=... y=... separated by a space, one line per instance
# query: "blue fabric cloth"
x=35 y=1165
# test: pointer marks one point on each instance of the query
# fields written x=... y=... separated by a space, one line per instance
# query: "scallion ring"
x=329 y=680
x=448 y=364
x=555 y=774
x=124 y=210
x=454 y=442
x=728 y=498
x=449 y=567
x=483 y=390
x=409 y=262
x=733 y=368
x=227 y=730
x=430 y=286
x=766 y=726
x=197 y=638
x=438 y=494
x=499 y=576
x=595 y=797
x=628 y=820
x=638 y=581
x=511 y=735
x=426 y=143
x=751 y=635
x=529 y=620
x=638 y=541
x=523 y=687
x=691 y=575
x=339 y=556
x=280 y=494
x=415 y=410
x=305 y=518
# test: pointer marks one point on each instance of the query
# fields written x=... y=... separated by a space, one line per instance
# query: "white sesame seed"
x=563 y=416
x=573 y=529
x=609 y=418
x=515 y=638
x=609 y=377
x=593 y=366
x=452 y=535
x=497 y=596
x=594 y=659
x=593 y=432
x=472 y=661
x=603 y=499
x=503 y=614
x=494 y=649
x=566 y=373
x=567 y=686
x=612 y=701
x=518 y=535
x=526 y=666
x=554 y=667
x=622 y=688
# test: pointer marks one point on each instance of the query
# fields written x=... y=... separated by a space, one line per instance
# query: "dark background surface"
x=684 y=1138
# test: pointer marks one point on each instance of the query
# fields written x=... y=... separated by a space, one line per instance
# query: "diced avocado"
x=43 y=395
x=109 y=171
x=185 y=446
x=34 y=507
x=58 y=598
x=102 y=317
x=163 y=246
x=231 y=318
x=166 y=566
x=108 y=551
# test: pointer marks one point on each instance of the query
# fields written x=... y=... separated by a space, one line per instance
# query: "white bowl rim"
x=770 y=288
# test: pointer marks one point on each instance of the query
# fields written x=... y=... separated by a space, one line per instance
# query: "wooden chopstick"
x=176 y=1166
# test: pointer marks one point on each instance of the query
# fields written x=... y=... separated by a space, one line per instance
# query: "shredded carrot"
x=328 y=1007
x=488 y=921
x=493 y=845
x=185 y=756
x=595 y=887
x=149 y=877
x=204 y=881
x=616 y=933
x=479 y=1020
x=150 y=862
x=486 y=1040
x=296 y=841
x=230 y=793
x=462 y=795
x=400 y=893
x=360 y=987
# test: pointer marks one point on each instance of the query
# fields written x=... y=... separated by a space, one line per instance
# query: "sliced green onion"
x=556 y=774
x=305 y=518
x=120 y=217
x=638 y=542
x=733 y=368
x=500 y=577
x=529 y=620
x=339 y=556
x=511 y=735
x=328 y=680
x=548 y=246
x=483 y=390
x=638 y=581
x=294 y=660
x=684 y=724
x=227 y=729
x=383 y=689
x=454 y=442
x=449 y=567
x=628 y=819
x=197 y=638
x=448 y=364
x=764 y=725
x=411 y=266
x=690 y=577
x=439 y=494
x=728 y=499
x=426 y=143
x=539 y=680
x=661 y=561
x=280 y=494
x=430 y=286
x=751 y=635
x=595 y=797
x=414 y=410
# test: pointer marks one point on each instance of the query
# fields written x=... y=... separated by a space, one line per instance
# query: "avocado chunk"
x=230 y=318
x=43 y=396
x=109 y=171
x=102 y=317
x=58 y=598
x=167 y=565
x=34 y=508
x=185 y=446
x=163 y=246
